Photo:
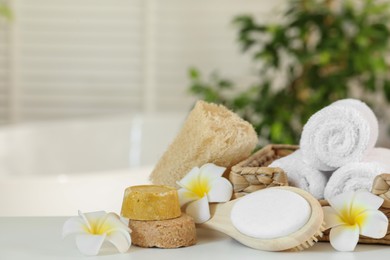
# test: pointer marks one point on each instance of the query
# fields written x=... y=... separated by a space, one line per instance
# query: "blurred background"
x=85 y=84
x=94 y=86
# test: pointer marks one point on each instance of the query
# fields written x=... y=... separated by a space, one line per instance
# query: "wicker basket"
x=253 y=174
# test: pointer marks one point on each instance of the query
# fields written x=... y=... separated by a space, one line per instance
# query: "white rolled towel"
x=353 y=177
x=378 y=154
x=338 y=134
x=302 y=175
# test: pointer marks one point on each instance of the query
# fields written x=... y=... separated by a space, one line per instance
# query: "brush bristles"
x=313 y=239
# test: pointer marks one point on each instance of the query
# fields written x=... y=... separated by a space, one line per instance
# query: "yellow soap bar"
x=150 y=202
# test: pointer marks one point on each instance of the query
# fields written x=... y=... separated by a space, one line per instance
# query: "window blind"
x=66 y=58
x=3 y=71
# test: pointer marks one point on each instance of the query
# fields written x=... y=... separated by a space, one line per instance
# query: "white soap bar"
x=270 y=213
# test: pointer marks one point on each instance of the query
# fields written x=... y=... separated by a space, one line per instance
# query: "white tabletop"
x=36 y=238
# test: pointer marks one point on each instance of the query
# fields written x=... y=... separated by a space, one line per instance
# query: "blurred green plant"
x=323 y=49
x=5 y=11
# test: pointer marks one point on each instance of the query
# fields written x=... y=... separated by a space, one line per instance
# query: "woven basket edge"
x=268 y=147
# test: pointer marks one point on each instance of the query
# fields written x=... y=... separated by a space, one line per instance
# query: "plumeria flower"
x=351 y=214
x=201 y=186
x=94 y=228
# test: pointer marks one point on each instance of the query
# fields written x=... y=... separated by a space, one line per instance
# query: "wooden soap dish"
x=303 y=238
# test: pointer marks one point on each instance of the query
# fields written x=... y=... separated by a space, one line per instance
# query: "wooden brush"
x=243 y=219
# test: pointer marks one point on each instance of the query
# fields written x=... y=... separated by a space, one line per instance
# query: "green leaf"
x=386 y=88
x=225 y=84
x=276 y=130
x=5 y=11
x=324 y=57
x=197 y=88
x=371 y=84
x=193 y=73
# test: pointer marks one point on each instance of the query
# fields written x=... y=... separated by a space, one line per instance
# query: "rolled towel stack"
x=338 y=135
x=353 y=177
x=302 y=175
x=360 y=175
x=378 y=154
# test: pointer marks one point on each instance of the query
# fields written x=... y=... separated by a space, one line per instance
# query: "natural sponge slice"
x=172 y=233
x=150 y=202
x=211 y=134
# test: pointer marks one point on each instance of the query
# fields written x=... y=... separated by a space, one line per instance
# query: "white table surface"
x=36 y=238
x=64 y=195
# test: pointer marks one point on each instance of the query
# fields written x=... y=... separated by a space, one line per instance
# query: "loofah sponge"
x=211 y=134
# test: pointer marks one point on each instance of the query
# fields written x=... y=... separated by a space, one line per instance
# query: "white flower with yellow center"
x=94 y=228
x=351 y=214
x=201 y=186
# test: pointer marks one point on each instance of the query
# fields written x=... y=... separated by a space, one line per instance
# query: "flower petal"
x=373 y=223
x=74 y=225
x=113 y=222
x=186 y=196
x=120 y=239
x=342 y=201
x=367 y=200
x=189 y=178
x=221 y=190
x=95 y=216
x=344 y=237
x=199 y=210
x=93 y=219
x=331 y=218
x=124 y=220
x=89 y=244
x=211 y=171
